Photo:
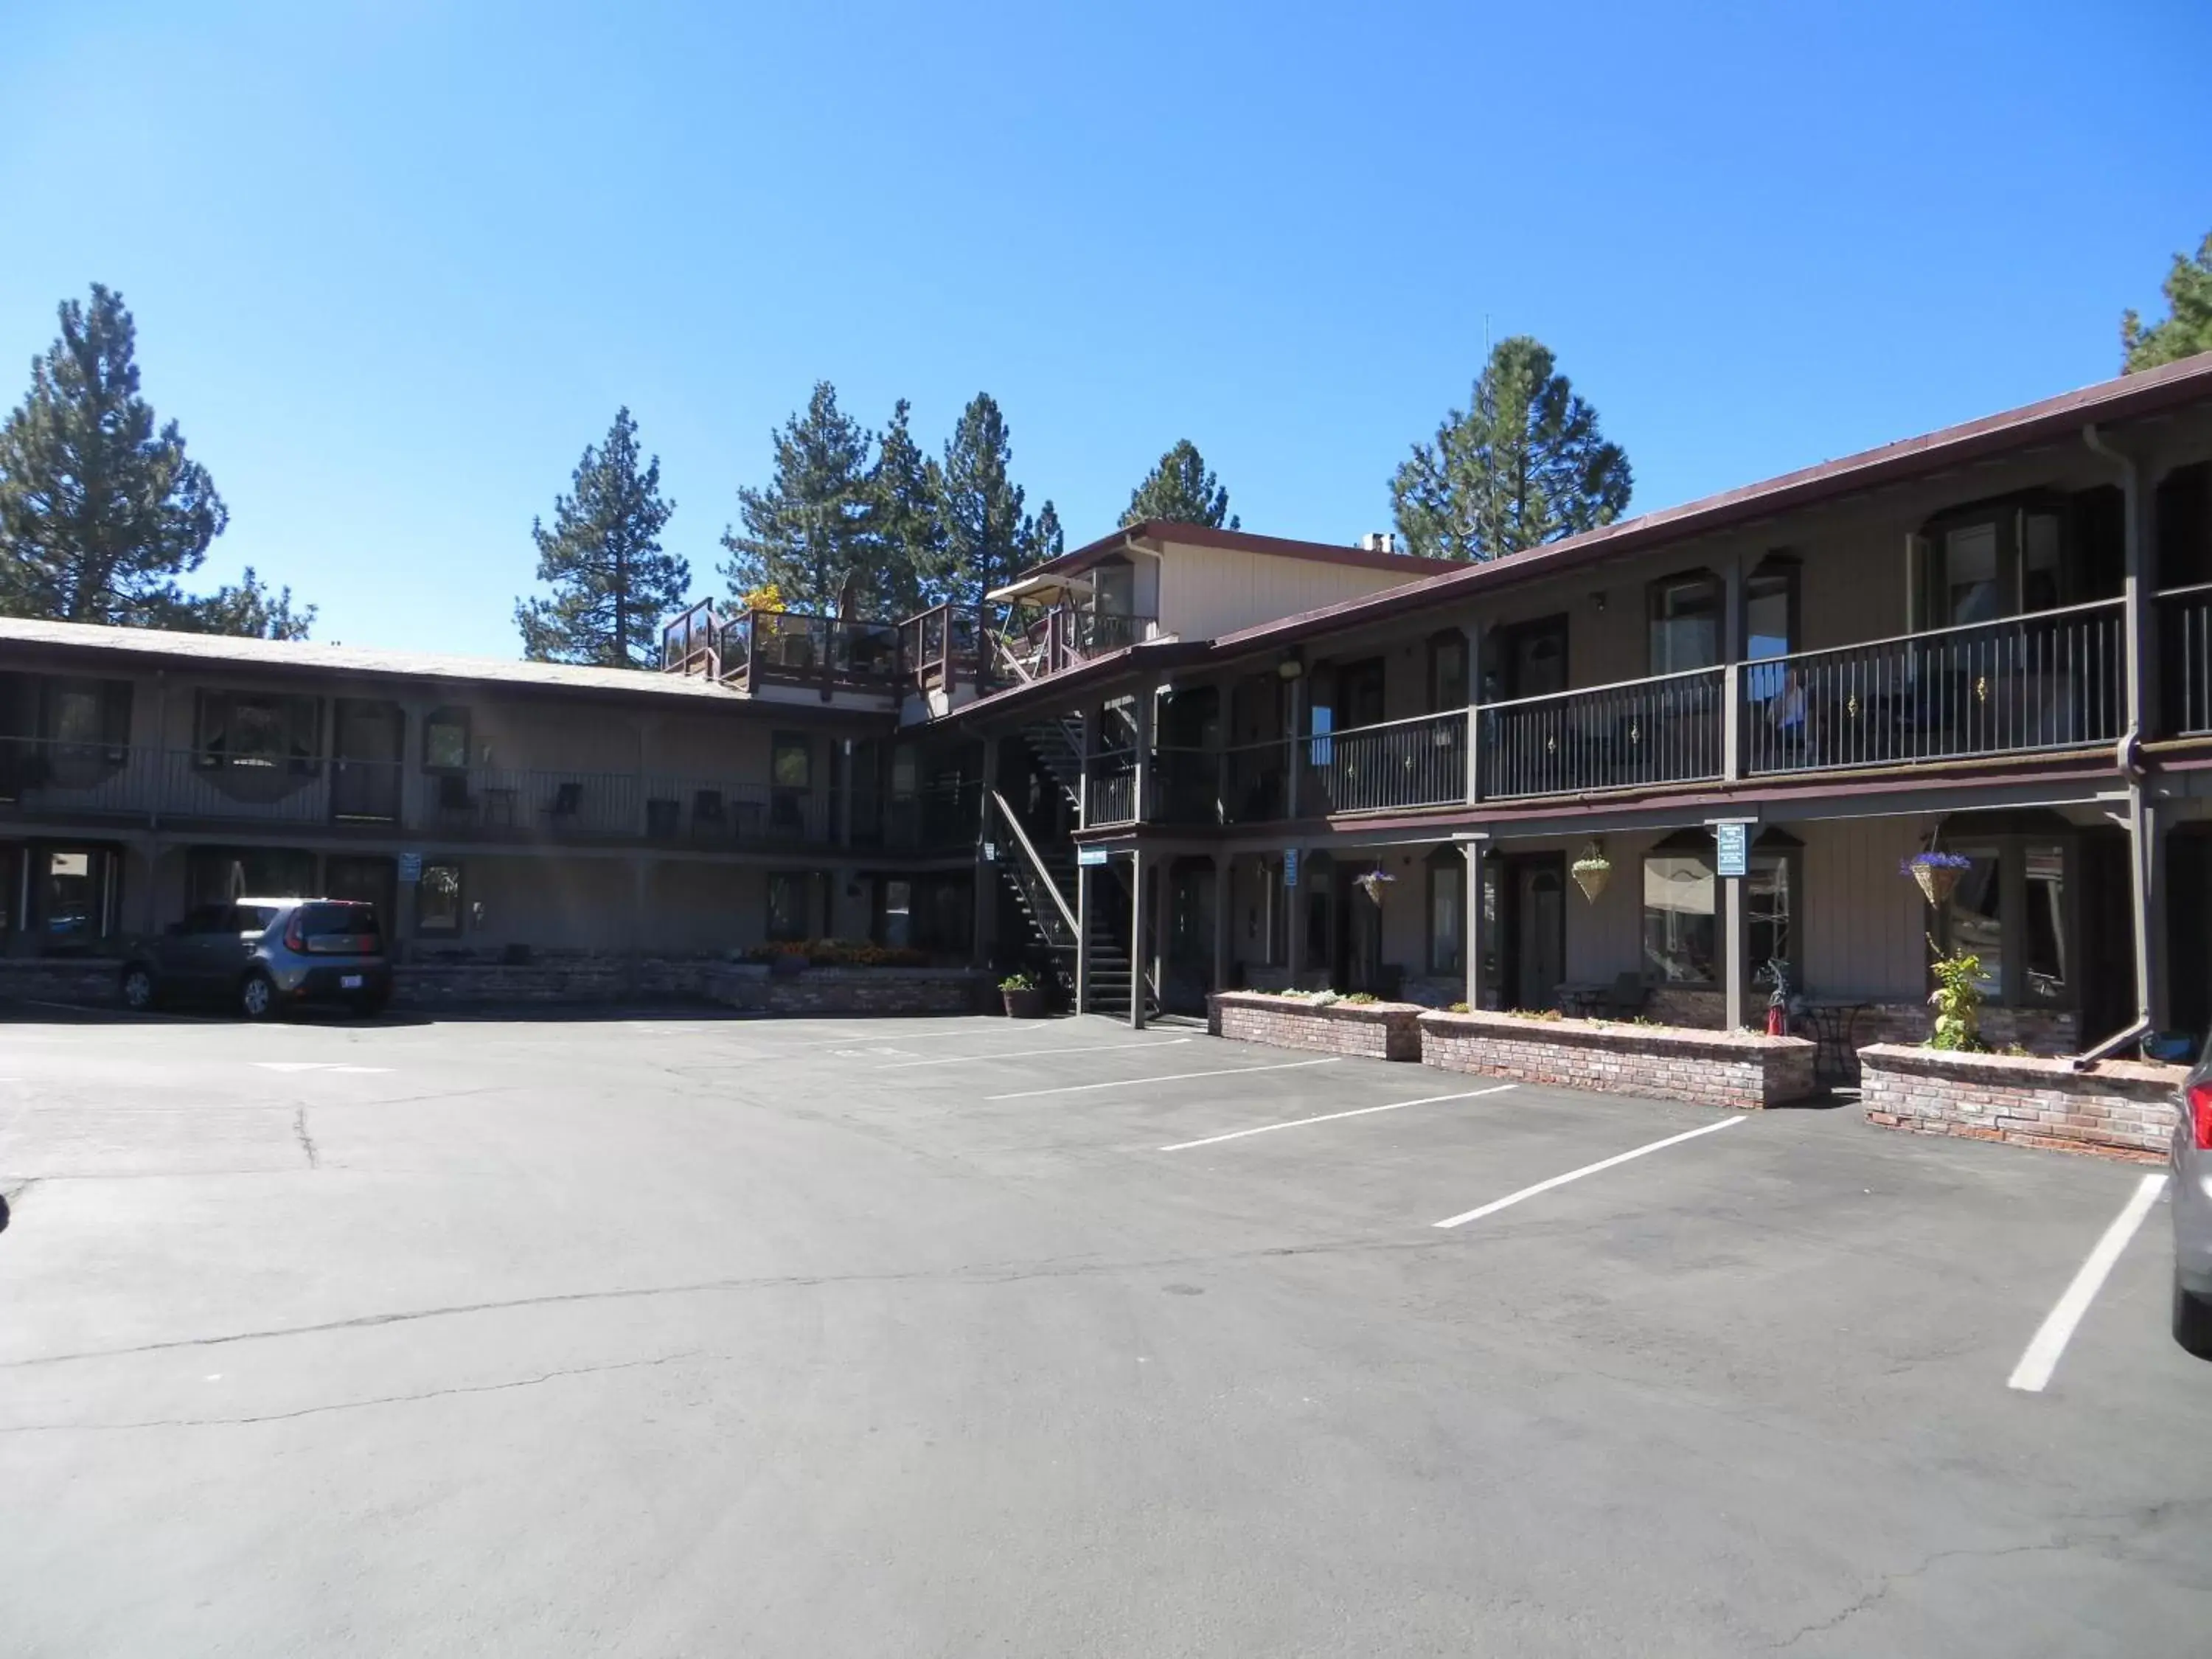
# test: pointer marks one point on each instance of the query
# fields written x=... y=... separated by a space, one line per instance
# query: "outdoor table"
x=1835 y=1058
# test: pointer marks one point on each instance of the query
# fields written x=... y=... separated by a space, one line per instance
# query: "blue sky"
x=395 y=262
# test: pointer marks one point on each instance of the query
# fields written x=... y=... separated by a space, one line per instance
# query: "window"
x=446 y=741
x=1446 y=671
x=1680 y=930
x=1770 y=624
x=1974 y=916
x=438 y=899
x=790 y=906
x=898 y=913
x=2047 y=954
x=72 y=899
x=1447 y=911
x=258 y=732
x=93 y=714
x=1972 y=592
x=216 y=875
x=1768 y=902
x=1685 y=622
x=792 y=763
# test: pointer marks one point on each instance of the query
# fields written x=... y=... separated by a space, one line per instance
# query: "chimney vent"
x=1379 y=541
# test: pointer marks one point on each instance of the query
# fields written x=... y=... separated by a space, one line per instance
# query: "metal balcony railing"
x=1664 y=730
x=2049 y=680
x=1420 y=762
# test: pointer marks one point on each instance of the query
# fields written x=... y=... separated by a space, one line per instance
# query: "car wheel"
x=2192 y=1322
x=257 y=997
x=138 y=988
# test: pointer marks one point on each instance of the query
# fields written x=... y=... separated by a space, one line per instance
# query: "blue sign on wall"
x=410 y=867
x=1289 y=866
x=1732 y=849
x=1090 y=856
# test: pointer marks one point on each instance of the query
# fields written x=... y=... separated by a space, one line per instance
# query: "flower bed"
x=1742 y=1069
x=1366 y=1030
x=2123 y=1109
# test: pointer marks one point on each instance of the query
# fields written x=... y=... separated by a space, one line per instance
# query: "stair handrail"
x=1030 y=852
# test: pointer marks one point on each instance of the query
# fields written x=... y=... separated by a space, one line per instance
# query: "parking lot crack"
x=307 y=1141
x=356 y=1405
x=1890 y=1581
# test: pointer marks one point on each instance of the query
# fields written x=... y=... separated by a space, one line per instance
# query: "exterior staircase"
x=1043 y=881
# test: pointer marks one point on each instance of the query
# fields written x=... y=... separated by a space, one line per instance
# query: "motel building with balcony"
x=1179 y=760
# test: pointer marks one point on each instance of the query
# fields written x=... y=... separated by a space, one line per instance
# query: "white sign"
x=1090 y=856
x=1732 y=847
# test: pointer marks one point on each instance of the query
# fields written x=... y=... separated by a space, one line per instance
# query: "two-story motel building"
x=1178 y=758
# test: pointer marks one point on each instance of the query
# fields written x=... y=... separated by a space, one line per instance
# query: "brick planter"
x=2122 y=1108
x=1367 y=1030
x=1742 y=1069
x=752 y=987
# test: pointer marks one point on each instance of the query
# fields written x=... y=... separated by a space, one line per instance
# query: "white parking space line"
x=1030 y=1054
x=1511 y=1199
x=2057 y=1330
x=1331 y=1117
x=320 y=1065
x=1172 y=1077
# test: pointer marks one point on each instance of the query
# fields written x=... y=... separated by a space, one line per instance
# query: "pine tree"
x=99 y=512
x=1523 y=465
x=612 y=585
x=906 y=528
x=2187 y=328
x=812 y=524
x=1180 y=490
x=987 y=537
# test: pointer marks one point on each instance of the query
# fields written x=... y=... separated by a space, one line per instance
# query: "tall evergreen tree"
x=813 y=524
x=2187 y=328
x=1180 y=490
x=1524 y=463
x=612 y=585
x=101 y=513
x=906 y=525
x=987 y=538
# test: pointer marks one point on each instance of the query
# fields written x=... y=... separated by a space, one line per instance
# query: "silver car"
x=2193 y=1212
x=263 y=956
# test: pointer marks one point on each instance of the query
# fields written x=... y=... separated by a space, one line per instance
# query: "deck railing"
x=1420 y=762
x=65 y=783
x=2049 y=680
x=2184 y=661
x=941 y=647
x=1664 y=730
x=691 y=643
x=1032 y=644
x=1113 y=791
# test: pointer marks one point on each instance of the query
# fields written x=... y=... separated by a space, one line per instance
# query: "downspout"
x=2127 y=755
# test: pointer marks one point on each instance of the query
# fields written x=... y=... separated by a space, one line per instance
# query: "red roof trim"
x=1236 y=541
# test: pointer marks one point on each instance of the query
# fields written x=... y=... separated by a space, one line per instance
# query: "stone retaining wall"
x=2039 y=1031
x=889 y=991
x=583 y=981
x=1741 y=1069
x=2122 y=1108
x=1366 y=1030
x=75 y=980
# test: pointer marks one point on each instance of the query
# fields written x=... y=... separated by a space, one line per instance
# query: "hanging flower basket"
x=1937 y=873
x=1591 y=872
x=1373 y=883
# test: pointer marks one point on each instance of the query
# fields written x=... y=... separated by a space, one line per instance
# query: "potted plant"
x=1592 y=871
x=1957 y=1000
x=1023 y=995
x=1937 y=873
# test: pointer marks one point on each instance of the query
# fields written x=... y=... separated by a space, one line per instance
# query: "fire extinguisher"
x=1778 y=999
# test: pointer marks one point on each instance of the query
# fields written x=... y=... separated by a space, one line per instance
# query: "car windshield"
x=323 y=921
x=253 y=918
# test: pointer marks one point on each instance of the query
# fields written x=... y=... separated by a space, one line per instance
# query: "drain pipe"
x=2111 y=1046
x=2128 y=753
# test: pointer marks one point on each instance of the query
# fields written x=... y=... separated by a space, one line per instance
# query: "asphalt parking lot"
x=676 y=1335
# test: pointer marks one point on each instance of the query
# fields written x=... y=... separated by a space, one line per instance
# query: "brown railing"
x=1658 y=731
x=97 y=783
x=942 y=648
x=1420 y=762
x=692 y=643
x=1032 y=644
x=2051 y=680
x=2184 y=661
x=1113 y=791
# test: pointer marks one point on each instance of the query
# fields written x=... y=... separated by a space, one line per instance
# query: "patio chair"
x=454 y=797
x=568 y=800
x=708 y=815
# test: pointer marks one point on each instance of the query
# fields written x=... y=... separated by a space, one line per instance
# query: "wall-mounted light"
x=1598 y=600
x=1290 y=668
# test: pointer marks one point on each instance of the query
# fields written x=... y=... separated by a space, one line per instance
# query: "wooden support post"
x=1473 y=633
x=1476 y=943
x=1140 y=777
x=1295 y=716
x=1138 y=957
x=986 y=871
x=1087 y=737
x=1294 y=948
x=1224 y=872
x=1082 y=937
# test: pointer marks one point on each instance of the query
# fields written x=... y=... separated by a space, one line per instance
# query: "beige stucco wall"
x=1209 y=591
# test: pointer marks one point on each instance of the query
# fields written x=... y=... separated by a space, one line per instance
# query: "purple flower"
x=1934 y=861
